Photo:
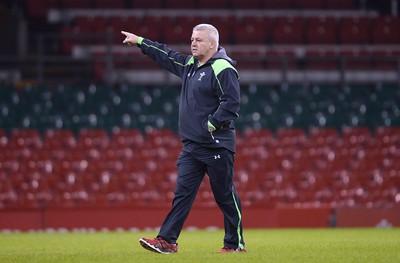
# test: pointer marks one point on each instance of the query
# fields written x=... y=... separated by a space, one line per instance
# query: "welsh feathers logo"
x=202 y=74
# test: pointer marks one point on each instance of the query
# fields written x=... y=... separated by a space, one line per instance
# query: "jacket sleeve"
x=169 y=59
x=228 y=90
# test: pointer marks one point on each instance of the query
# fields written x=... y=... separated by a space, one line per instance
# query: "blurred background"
x=87 y=123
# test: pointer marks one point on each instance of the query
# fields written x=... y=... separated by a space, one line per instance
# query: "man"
x=209 y=104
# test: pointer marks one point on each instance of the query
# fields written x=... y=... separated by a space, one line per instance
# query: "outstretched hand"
x=130 y=38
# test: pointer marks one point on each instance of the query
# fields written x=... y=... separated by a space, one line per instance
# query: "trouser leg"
x=220 y=170
x=190 y=175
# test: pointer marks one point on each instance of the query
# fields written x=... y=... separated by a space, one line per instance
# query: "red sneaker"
x=158 y=245
x=231 y=250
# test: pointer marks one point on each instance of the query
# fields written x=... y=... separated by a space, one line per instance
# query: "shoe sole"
x=222 y=251
x=233 y=251
x=150 y=247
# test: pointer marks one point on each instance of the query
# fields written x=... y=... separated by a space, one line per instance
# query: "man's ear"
x=212 y=44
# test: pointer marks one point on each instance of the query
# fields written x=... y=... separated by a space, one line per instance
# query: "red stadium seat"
x=181 y=4
x=248 y=58
x=323 y=59
x=323 y=136
x=212 y=4
x=386 y=58
x=253 y=30
x=247 y=4
x=59 y=139
x=127 y=137
x=357 y=58
x=256 y=137
x=387 y=135
x=278 y=4
x=162 y=140
x=39 y=8
x=354 y=30
x=78 y=4
x=264 y=21
x=386 y=30
x=101 y=25
x=179 y=32
x=190 y=21
x=93 y=138
x=321 y=30
x=356 y=135
x=290 y=136
x=341 y=4
x=3 y=138
x=25 y=138
x=152 y=27
x=288 y=30
x=106 y=4
x=122 y=23
x=225 y=26
x=70 y=38
x=146 y=4
x=308 y=4
x=250 y=34
x=281 y=58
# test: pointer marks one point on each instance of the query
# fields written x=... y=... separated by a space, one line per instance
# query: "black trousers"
x=193 y=163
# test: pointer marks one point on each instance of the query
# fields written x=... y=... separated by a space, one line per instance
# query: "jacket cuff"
x=214 y=122
x=140 y=40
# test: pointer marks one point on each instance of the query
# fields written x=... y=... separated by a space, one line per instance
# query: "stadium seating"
x=334 y=144
x=293 y=29
x=357 y=42
x=354 y=30
x=354 y=39
x=321 y=30
x=285 y=153
x=341 y=4
x=385 y=30
x=38 y=7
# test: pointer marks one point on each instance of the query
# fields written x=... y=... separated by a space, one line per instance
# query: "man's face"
x=201 y=45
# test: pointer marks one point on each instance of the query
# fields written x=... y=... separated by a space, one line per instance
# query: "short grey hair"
x=211 y=30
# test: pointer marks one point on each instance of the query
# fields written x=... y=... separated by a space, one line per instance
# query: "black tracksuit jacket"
x=210 y=92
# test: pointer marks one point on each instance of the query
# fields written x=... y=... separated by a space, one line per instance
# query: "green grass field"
x=267 y=245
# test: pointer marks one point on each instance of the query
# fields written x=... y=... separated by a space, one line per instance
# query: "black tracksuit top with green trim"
x=210 y=92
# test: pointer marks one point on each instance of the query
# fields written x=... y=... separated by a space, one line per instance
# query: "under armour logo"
x=202 y=74
x=217 y=157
